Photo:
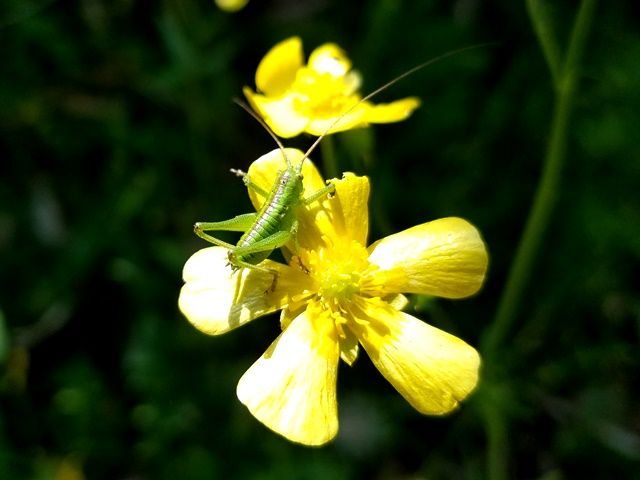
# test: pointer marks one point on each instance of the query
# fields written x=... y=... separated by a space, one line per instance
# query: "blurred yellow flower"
x=336 y=295
x=231 y=5
x=293 y=98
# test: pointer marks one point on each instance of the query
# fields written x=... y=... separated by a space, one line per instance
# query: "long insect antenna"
x=247 y=109
x=387 y=85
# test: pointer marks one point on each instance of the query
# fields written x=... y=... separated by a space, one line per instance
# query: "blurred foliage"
x=117 y=132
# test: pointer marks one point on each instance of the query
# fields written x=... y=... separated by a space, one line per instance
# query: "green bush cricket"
x=275 y=223
x=272 y=226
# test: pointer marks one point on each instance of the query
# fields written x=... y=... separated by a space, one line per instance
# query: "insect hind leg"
x=239 y=223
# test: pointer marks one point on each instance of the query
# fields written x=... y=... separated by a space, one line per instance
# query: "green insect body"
x=271 y=227
x=276 y=215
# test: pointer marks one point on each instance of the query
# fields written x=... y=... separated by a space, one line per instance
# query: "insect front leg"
x=328 y=190
x=240 y=223
x=248 y=183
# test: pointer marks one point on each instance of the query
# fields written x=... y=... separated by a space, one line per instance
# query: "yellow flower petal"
x=277 y=70
x=445 y=258
x=394 y=111
x=349 y=213
x=292 y=387
x=431 y=369
x=337 y=220
x=279 y=113
x=215 y=300
x=329 y=58
x=349 y=347
x=341 y=119
x=397 y=301
x=352 y=82
x=231 y=5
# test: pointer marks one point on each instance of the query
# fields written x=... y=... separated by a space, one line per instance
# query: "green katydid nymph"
x=275 y=224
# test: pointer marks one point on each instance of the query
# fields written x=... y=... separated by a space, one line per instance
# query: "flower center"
x=339 y=272
x=338 y=283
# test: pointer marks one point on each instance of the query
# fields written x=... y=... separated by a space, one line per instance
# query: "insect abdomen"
x=272 y=214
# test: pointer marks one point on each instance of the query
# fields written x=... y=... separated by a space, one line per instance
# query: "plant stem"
x=565 y=79
x=541 y=20
x=497 y=437
x=548 y=187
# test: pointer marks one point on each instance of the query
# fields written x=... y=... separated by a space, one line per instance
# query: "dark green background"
x=117 y=133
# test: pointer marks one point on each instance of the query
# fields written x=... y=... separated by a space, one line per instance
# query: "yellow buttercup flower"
x=231 y=5
x=293 y=98
x=336 y=295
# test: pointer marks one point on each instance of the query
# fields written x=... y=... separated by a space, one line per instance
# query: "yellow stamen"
x=339 y=275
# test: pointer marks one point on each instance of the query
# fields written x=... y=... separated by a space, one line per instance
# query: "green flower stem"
x=497 y=438
x=565 y=82
x=548 y=188
x=541 y=20
x=329 y=158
